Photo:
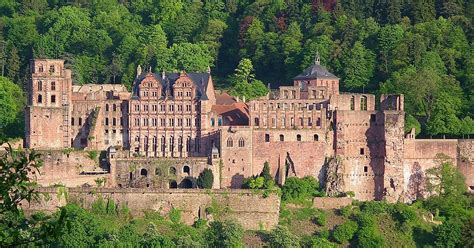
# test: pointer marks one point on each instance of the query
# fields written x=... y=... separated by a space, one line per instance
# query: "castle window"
x=40 y=98
x=72 y=121
x=316 y=137
x=53 y=85
x=143 y=172
x=51 y=68
x=301 y=121
x=362 y=151
x=230 y=142
x=40 y=85
x=80 y=121
x=241 y=142
x=114 y=107
x=53 y=99
x=188 y=144
x=137 y=107
x=366 y=169
x=157 y=172
x=186 y=170
x=173 y=184
x=282 y=137
x=114 y=122
x=318 y=122
x=310 y=123
x=298 y=137
x=106 y=107
x=212 y=122
x=219 y=121
x=41 y=68
x=121 y=121
x=363 y=103
x=352 y=103
x=256 y=122
x=267 y=137
x=106 y=121
x=172 y=171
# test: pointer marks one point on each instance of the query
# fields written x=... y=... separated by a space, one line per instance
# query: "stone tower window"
x=241 y=142
x=40 y=86
x=282 y=137
x=352 y=102
x=53 y=85
x=230 y=142
x=53 y=99
x=366 y=169
x=40 y=98
x=316 y=137
x=219 y=121
x=80 y=121
x=72 y=121
x=114 y=122
x=106 y=107
x=298 y=137
x=143 y=172
x=362 y=151
x=213 y=122
x=114 y=107
x=41 y=68
x=51 y=68
x=186 y=170
x=267 y=137
x=363 y=103
x=256 y=121
x=106 y=121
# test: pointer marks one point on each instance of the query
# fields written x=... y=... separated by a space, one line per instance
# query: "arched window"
x=298 y=137
x=363 y=103
x=316 y=137
x=40 y=86
x=282 y=137
x=186 y=170
x=143 y=172
x=114 y=107
x=40 y=98
x=241 y=142
x=230 y=142
x=172 y=171
x=106 y=107
x=352 y=103
x=267 y=137
x=158 y=172
x=256 y=121
x=106 y=121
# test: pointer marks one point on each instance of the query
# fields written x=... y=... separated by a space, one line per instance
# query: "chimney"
x=243 y=98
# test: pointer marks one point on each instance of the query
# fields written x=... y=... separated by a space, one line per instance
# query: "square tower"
x=49 y=105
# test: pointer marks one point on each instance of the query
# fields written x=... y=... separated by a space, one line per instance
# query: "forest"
x=423 y=49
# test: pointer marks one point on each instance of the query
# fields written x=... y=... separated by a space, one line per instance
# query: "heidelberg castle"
x=172 y=126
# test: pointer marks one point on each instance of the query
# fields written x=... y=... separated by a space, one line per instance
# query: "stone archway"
x=186 y=184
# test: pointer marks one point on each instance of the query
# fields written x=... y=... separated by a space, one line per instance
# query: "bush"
x=321 y=218
x=368 y=236
x=282 y=237
x=205 y=179
x=300 y=188
x=175 y=215
x=321 y=243
x=448 y=234
x=404 y=214
x=345 y=231
x=224 y=234
x=376 y=207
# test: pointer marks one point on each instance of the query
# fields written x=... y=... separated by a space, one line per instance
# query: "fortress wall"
x=248 y=208
x=65 y=167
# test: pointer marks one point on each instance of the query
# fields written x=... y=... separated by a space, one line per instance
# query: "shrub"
x=175 y=215
x=448 y=234
x=300 y=188
x=376 y=207
x=321 y=218
x=345 y=231
x=323 y=233
x=404 y=214
x=224 y=234
x=368 y=236
x=205 y=179
x=321 y=243
x=346 y=211
x=282 y=237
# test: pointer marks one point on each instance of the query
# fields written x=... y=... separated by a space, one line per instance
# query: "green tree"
x=191 y=57
x=13 y=64
x=359 y=64
x=345 y=231
x=152 y=238
x=11 y=103
x=244 y=82
x=205 y=179
x=224 y=234
x=280 y=236
x=300 y=188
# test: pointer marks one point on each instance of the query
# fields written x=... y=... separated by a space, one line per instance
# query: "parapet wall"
x=249 y=208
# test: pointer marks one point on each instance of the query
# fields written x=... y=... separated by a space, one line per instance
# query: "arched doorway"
x=186 y=170
x=173 y=184
x=186 y=184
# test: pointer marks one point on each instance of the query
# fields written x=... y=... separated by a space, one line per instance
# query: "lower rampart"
x=249 y=208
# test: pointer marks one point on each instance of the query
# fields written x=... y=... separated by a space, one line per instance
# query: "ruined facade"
x=172 y=126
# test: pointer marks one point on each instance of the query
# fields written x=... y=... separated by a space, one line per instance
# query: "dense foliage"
x=205 y=179
x=423 y=49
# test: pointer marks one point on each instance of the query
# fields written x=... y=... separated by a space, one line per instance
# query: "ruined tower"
x=49 y=105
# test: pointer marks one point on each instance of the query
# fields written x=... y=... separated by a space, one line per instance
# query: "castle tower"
x=47 y=115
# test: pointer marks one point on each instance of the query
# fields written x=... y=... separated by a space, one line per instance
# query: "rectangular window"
x=137 y=107
x=53 y=85
x=145 y=108
x=53 y=99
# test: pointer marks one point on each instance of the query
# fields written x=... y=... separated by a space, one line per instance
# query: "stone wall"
x=331 y=202
x=69 y=168
x=250 y=209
